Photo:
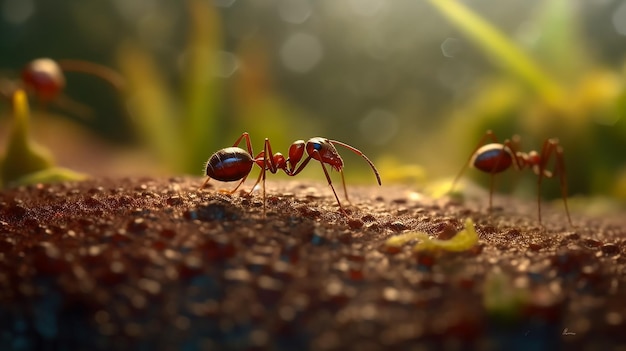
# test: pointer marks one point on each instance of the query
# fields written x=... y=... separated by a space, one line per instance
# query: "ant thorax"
x=532 y=160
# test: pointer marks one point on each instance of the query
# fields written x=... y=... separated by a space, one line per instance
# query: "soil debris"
x=156 y=264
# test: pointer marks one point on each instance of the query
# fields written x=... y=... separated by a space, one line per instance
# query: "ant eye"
x=317 y=146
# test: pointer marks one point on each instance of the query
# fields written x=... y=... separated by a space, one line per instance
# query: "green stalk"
x=23 y=156
x=151 y=105
x=201 y=86
x=27 y=162
x=493 y=42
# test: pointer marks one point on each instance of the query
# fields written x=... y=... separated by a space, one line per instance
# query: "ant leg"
x=261 y=176
x=237 y=187
x=223 y=191
x=513 y=145
x=560 y=167
x=329 y=182
x=539 y=199
x=269 y=157
x=488 y=135
x=491 y=185
x=268 y=153
x=258 y=180
x=546 y=150
x=205 y=183
x=265 y=163
x=516 y=143
x=343 y=181
x=248 y=143
x=358 y=152
x=552 y=147
x=246 y=136
x=301 y=167
x=518 y=164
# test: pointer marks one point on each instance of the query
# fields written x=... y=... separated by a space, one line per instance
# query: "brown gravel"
x=155 y=264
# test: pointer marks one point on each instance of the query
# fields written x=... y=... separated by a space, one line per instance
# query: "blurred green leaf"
x=558 y=38
x=25 y=161
x=151 y=104
x=585 y=109
x=500 y=47
x=502 y=300
x=201 y=87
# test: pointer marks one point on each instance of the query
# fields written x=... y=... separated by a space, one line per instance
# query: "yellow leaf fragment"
x=463 y=240
x=402 y=239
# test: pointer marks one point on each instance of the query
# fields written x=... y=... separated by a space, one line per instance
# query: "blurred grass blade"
x=202 y=93
x=258 y=108
x=495 y=43
x=26 y=162
x=560 y=44
x=150 y=104
x=23 y=155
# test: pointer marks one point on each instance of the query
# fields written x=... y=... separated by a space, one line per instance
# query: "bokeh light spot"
x=301 y=52
x=294 y=11
x=154 y=28
x=619 y=19
x=17 y=11
x=223 y=3
x=132 y=10
x=224 y=64
x=379 y=126
x=367 y=8
x=227 y=64
x=451 y=47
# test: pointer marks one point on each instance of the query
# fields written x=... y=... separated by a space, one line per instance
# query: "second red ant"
x=497 y=157
x=234 y=163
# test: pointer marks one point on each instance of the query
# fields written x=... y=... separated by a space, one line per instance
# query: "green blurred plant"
x=184 y=129
x=25 y=161
x=503 y=301
x=183 y=125
x=552 y=88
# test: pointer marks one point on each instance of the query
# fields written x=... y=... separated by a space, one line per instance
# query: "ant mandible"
x=497 y=157
x=234 y=163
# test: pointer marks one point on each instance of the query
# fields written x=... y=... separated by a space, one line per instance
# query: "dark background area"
x=371 y=73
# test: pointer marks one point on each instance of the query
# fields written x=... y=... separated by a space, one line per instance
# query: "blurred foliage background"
x=412 y=84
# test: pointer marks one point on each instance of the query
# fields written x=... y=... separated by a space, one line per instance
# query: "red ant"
x=45 y=78
x=494 y=158
x=234 y=163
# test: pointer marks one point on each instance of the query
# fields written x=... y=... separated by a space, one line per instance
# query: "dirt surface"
x=154 y=264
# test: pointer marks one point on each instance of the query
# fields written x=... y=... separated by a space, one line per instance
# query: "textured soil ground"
x=155 y=264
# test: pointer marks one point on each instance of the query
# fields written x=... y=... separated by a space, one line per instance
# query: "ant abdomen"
x=229 y=164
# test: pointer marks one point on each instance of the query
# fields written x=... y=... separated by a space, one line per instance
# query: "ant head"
x=324 y=151
x=44 y=77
